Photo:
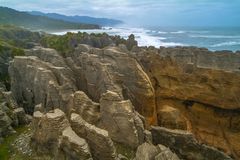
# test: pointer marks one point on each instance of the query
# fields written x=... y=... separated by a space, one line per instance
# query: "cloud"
x=150 y=12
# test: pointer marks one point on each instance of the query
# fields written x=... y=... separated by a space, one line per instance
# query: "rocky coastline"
x=108 y=99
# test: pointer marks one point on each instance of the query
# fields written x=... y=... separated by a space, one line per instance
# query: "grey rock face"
x=185 y=145
x=98 y=139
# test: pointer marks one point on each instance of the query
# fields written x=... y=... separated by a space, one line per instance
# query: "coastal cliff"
x=114 y=100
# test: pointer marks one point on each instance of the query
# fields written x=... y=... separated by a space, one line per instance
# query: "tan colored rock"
x=172 y=118
x=194 y=74
x=203 y=86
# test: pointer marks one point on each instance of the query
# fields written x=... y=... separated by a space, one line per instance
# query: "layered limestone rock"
x=194 y=74
x=98 y=139
x=203 y=86
x=52 y=135
x=111 y=69
x=73 y=147
x=185 y=145
x=85 y=107
x=50 y=79
x=179 y=88
x=120 y=119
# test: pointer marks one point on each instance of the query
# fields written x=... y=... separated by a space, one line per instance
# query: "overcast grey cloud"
x=142 y=12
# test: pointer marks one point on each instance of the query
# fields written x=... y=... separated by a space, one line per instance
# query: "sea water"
x=213 y=38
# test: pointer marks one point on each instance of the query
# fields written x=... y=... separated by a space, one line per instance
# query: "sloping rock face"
x=203 y=86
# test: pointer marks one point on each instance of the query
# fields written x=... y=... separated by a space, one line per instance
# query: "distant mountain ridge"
x=36 y=22
x=80 y=19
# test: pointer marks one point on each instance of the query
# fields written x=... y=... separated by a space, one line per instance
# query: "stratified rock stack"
x=91 y=100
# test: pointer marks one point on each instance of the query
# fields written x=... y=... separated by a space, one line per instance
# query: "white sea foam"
x=161 y=32
x=178 y=32
x=232 y=43
x=142 y=35
x=215 y=36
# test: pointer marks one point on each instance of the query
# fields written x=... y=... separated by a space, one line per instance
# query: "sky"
x=142 y=12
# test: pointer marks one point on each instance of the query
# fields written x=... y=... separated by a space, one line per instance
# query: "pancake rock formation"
x=167 y=103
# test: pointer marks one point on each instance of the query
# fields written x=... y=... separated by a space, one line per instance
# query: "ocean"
x=213 y=38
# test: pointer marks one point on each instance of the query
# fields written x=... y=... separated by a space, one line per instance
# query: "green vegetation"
x=6 y=148
x=17 y=37
x=34 y=22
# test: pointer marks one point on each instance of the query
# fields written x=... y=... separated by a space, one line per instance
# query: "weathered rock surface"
x=86 y=108
x=50 y=79
x=117 y=117
x=47 y=128
x=52 y=135
x=73 y=147
x=194 y=74
x=184 y=88
x=100 y=70
x=203 y=86
x=185 y=145
x=98 y=139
